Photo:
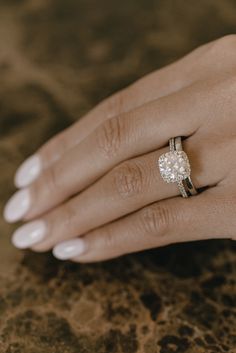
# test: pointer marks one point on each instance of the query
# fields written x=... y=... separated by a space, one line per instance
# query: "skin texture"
x=102 y=175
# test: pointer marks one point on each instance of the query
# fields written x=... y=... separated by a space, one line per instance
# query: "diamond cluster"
x=174 y=166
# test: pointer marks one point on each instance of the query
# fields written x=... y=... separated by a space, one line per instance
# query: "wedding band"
x=174 y=167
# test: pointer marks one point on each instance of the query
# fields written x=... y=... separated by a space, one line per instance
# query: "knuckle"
x=157 y=219
x=110 y=136
x=129 y=179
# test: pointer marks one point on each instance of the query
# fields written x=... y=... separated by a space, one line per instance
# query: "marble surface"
x=57 y=60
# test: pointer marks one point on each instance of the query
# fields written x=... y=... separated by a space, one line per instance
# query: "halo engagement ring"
x=175 y=167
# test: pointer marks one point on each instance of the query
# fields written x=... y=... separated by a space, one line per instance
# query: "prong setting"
x=174 y=166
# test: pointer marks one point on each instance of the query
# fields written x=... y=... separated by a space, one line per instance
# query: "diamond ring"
x=174 y=167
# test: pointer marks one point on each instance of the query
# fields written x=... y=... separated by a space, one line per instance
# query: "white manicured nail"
x=17 y=206
x=69 y=249
x=29 y=234
x=28 y=171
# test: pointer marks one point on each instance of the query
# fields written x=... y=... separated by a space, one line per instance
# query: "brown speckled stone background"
x=58 y=58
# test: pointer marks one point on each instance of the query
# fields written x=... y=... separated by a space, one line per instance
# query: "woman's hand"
x=95 y=192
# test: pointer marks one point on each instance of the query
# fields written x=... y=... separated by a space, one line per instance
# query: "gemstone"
x=174 y=166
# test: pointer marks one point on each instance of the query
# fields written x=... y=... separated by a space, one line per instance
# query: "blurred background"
x=57 y=60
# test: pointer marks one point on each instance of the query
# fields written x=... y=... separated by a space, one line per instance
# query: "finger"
x=143 y=130
x=192 y=67
x=126 y=188
x=166 y=222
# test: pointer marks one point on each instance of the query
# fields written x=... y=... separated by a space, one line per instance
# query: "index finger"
x=164 y=81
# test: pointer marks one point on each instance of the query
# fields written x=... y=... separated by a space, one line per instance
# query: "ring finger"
x=126 y=188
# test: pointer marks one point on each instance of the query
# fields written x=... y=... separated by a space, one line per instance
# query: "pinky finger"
x=165 y=222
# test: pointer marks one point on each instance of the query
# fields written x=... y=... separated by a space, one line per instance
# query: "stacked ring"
x=174 y=167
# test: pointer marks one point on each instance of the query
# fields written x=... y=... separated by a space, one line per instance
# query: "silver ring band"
x=175 y=167
x=175 y=144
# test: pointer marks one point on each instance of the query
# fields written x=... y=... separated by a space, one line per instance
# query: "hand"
x=95 y=192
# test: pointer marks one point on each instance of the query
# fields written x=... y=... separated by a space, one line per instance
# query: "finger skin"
x=126 y=188
x=145 y=129
x=210 y=101
x=164 y=81
x=140 y=131
x=169 y=221
x=154 y=85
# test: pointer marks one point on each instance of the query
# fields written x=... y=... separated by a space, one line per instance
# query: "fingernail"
x=29 y=234
x=28 y=171
x=17 y=206
x=69 y=249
